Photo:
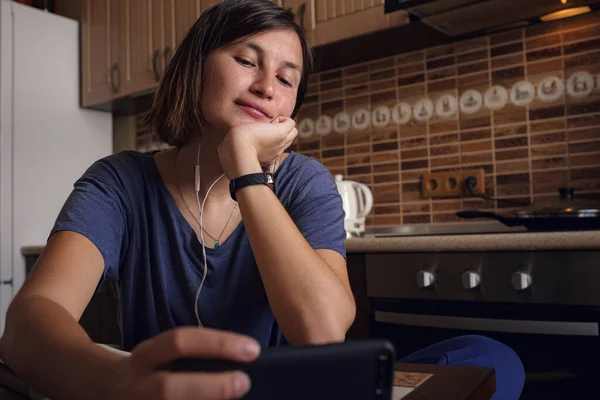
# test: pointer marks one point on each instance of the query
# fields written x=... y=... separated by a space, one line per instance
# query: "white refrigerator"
x=46 y=140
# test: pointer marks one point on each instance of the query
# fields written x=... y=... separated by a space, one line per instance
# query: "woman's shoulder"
x=299 y=172
x=297 y=163
x=126 y=158
x=127 y=164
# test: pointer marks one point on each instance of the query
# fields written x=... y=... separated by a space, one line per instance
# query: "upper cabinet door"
x=302 y=9
x=138 y=46
x=100 y=43
x=333 y=20
x=159 y=37
x=209 y=3
x=181 y=15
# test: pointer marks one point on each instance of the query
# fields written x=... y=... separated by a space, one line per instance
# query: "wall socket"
x=452 y=183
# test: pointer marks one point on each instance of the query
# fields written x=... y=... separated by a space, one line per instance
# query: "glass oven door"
x=557 y=345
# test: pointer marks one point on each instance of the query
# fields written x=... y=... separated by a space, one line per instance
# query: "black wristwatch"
x=260 y=178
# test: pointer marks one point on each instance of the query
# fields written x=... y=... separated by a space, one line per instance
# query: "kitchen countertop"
x=31 y=250
x=514 y=241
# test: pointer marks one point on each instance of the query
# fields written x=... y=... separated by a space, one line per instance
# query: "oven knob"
x=470 y=279
x=425 y=279
x=521 y=280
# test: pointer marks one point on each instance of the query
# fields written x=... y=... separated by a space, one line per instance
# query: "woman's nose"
x=263 y=86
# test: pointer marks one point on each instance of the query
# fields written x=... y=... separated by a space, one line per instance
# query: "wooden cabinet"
x=171 y=19
x=126 y=44
x=180 y=15
x=116 y=44
x=162 y=35
x=328 y=21
x=137 y=65
x=100 y=45
x=333 y=20
x=302 y=10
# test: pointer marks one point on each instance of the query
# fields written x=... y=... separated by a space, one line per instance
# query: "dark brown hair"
x=176 y=110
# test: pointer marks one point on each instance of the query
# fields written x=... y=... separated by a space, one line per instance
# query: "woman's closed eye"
x=250 y=64
x=284 y=81
x=245 y=62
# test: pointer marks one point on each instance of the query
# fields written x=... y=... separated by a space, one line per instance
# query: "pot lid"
x=565 y=206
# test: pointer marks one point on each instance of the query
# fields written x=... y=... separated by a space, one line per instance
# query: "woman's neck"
x=185 y=159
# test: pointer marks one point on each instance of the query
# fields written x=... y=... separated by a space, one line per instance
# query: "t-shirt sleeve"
x=96 y=209
x=317 y=210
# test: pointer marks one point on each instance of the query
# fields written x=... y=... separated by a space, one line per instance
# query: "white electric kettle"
x=357 y=201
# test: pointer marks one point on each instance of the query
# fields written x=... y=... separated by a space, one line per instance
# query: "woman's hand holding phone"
x=142 y=374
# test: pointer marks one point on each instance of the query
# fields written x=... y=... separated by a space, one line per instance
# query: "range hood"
x=461 y=17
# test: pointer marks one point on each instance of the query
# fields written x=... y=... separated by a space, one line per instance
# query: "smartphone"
x=355 y=369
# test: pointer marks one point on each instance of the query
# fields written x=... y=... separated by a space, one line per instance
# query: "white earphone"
x=200 y=211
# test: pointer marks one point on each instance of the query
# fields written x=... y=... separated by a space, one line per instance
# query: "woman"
x=279 y=276
x=195 y=235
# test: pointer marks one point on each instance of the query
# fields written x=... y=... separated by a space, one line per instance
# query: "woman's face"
x=255 y=79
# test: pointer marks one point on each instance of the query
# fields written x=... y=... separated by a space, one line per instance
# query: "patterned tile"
x=503 y=62
x=385 y=178
x=526 y=151
x=505 y=37
x=543 y=41
x=507 y=49
x=420 y=207
x=416 y=219
x=441 y=62
x=440 y=51
x=581 y=47
x=437 y=163
x=410 y=80
x=476 y=55
x=543 y=54
x=472 y=44
x=582 y=34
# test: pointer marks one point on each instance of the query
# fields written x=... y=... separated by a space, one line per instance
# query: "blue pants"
x=478 y=351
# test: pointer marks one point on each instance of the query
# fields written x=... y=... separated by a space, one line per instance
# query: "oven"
x=543 y=304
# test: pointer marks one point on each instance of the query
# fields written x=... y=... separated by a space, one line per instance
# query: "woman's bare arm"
x=43 y=341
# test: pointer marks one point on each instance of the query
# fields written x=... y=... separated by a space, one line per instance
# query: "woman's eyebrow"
x=255 y=46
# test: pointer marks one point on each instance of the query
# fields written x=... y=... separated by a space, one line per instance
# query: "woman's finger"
x=282 y=125
x=196 y=385
x=192 y=342
x=290 y=138
x=292 y=134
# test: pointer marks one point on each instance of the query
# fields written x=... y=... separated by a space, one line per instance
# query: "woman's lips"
x=253 y=111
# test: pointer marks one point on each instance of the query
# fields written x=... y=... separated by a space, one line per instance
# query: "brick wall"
x=541 y=139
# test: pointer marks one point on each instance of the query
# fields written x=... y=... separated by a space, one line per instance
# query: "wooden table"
x=432 y=382
x=423 y=382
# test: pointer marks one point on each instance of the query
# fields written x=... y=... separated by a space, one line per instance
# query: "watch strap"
x=260 y=178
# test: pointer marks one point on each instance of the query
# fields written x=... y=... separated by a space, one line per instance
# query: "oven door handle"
x=490 y=324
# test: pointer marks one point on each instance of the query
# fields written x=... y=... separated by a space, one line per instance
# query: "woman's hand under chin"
x=248 y=147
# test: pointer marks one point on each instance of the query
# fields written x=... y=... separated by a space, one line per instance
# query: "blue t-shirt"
x=122 y=205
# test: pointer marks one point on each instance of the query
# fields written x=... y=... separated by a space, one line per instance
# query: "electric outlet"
x=453 y=183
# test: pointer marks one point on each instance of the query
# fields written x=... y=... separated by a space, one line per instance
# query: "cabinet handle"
x=167 y=55
x=301 y=12
x=114 y=85
x=155 y=65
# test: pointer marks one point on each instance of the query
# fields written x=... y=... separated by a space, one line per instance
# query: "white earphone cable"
x=200 y=209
